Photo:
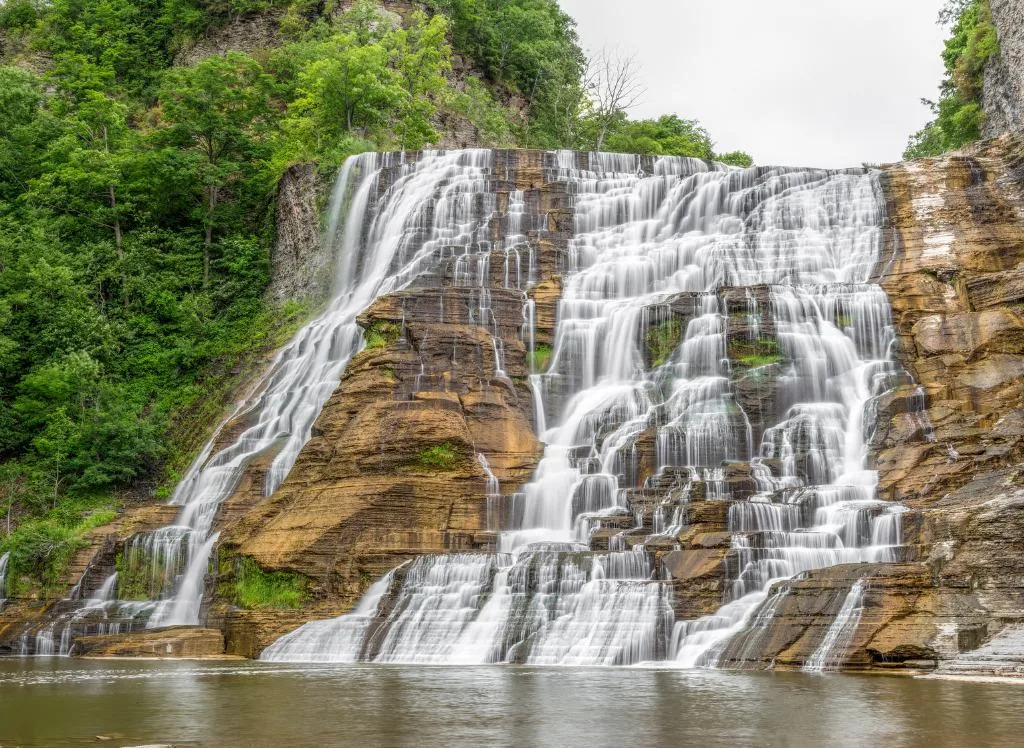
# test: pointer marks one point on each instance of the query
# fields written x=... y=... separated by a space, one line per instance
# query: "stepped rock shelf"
x=598 y=409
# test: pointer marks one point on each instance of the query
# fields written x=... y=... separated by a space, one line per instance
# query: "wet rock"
x=159 y=643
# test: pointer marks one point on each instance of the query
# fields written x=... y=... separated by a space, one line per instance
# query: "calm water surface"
x=54 y=702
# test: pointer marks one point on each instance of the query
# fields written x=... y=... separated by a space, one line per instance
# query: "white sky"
x=792 y=82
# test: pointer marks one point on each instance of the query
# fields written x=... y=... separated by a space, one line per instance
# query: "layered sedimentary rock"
x=162 y=643
x=393 y=469
x=949 y=446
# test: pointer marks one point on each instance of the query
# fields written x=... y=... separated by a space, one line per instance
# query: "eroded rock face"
x=393 y=468
x=1003 y=95
x=301 y=264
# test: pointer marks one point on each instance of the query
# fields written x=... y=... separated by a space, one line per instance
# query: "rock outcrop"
x=1003 y=94
x=950 y=447
x=300 y=262
x=191 y=643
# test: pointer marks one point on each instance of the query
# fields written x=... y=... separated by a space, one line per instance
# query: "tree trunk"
x=117 y=223
x=211 y=206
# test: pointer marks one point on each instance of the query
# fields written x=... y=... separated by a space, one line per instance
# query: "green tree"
x=84 y=168
x=668 y=135
x=958 y=114
x=217 y=114
x=735 y=158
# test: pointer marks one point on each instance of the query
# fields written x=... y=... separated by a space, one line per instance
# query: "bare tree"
x=613 y=85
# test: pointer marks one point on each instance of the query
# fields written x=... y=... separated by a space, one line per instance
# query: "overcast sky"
x=792 y=82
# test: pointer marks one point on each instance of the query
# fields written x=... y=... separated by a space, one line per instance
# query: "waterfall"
x=375 y=257
x=4 y=559
x=339 y=640
x=829 y=654
x=384 y=234
x=652 y=236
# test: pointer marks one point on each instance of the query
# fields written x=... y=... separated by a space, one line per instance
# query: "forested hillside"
x=136 y=206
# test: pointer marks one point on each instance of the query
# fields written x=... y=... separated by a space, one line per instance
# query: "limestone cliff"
x=953 y=450
x=1003 y=94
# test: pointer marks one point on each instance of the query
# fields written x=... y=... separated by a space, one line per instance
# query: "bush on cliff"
x=958 y=114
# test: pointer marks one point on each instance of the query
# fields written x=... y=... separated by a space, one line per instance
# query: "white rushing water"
x=4 y=559
x=829 y=654
x=647 y=233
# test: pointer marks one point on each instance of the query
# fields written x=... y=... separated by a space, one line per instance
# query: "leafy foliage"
x=958 y=114
x=252 y=588
x=531 y=47
x=441 y=456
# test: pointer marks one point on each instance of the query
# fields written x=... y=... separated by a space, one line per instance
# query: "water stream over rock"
x=718 y=327
x=384 y=236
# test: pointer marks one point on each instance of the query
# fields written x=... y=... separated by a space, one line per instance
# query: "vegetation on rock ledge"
x=252 y=588
x=958 y=113
x=663 y=340
x=441 y=456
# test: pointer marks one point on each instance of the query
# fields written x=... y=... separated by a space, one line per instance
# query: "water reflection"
x=62 y=702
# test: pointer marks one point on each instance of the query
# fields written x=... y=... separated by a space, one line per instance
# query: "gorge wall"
x=1003 y=94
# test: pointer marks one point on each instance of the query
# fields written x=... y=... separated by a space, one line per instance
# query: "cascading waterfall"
x=648 y=233
x=384 y=236
x=4 y=559
x=829 y=654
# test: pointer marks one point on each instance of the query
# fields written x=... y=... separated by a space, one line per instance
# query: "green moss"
x=540 y=358
x=441 y=456
x=381 y=334
x=755 y=354
x=662 y=341
x=134 y=577
x=252 y=588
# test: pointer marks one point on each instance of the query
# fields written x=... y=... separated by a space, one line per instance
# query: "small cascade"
x=550 y=605
x=4 y=560
x=692 y=293
x=99 y=613
x=338 y=640
x=829 y=654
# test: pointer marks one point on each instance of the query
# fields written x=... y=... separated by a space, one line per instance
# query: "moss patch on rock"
x=540 y=358
x=381 y=334
x=252 y=588
x=755 y=354
x=440 y=456
x=662 y=341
